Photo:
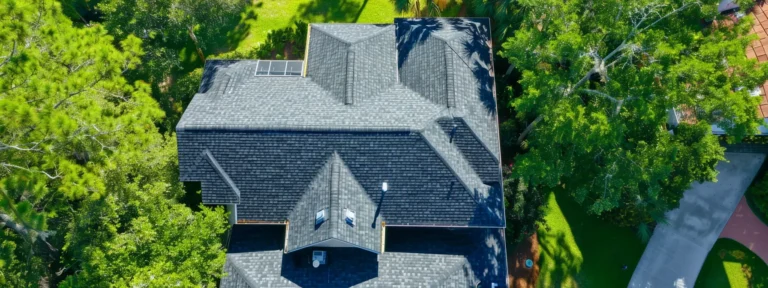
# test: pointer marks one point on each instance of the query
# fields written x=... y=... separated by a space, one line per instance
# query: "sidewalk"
x=747 y=229
x=676 y=251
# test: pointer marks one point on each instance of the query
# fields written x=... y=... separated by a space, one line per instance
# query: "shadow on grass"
x=344 y=11
x=580 y=250
x=730 y=262
x=559 y=262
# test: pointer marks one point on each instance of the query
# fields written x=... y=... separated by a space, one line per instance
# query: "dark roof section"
x=272 y=134
x=276 y=169
x=334 y=189
x=222 y=174
x=413 y=257
x=448 y=61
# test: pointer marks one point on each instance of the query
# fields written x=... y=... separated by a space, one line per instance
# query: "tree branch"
x=13 y=51
x=529 y=129
x=5 y=220
x=601 y=94
x=4 y=146
x=72 y=94
x=7 y=165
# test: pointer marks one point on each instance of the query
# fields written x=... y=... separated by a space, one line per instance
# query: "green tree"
x=598 y=80
x=415 y=6
x=82 y=164
x=506 y=15
x=164 y=24
x=524 y=207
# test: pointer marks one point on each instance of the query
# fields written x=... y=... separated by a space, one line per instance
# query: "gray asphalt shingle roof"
x=412 y=104
x=414 y=257
x=334 y=190
x=351 y=97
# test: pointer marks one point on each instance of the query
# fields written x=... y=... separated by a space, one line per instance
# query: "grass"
x=579 y=250
x=262 y=16
x=730 y=264
x=269 y=15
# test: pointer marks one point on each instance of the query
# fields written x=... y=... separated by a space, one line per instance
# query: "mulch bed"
x=519 y=275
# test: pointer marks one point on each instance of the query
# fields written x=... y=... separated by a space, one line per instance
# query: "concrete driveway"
x=676 y=252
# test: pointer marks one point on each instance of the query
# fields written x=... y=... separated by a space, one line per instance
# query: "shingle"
x=426 y=257
x=273 y=169
x=334 y=189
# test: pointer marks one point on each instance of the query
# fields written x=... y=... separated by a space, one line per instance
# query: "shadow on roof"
x=344 y=267
x=412 y=33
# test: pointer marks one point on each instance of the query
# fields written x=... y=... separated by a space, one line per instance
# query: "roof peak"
x=335 y=211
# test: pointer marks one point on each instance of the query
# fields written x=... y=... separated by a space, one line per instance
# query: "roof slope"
x=334 y=190
x=425 y=257
x=384 y=98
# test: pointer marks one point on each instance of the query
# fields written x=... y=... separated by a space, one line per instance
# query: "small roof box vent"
x=320 y=217
x=349 y=217
x=318 y=258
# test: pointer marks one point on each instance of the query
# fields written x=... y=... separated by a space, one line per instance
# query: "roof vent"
x=349 y=217
x=453 y=132
x=320 y=217
x=318 y=258
x=349 y=97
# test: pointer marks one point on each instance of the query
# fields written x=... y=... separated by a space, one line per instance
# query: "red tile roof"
x=759 y=49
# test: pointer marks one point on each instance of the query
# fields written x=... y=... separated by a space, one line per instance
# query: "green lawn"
x=262 y=16
x=579 y=250
x=730 y=264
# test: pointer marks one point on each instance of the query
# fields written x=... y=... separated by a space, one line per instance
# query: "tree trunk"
x=529 y=129
x=191 y=32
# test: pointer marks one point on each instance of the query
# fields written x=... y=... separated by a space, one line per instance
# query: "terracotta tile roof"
x=759 y=49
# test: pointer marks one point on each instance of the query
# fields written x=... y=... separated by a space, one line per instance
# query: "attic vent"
x=349 y=217
x=318 y=258
x=279 y=67
x=320 y=217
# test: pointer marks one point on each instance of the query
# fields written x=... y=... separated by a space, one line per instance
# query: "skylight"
x=279 y=67
x=320 y=217
x=349 y=217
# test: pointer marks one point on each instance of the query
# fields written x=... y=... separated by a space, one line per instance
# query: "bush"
x=758 y=195
x=273 y=48
x=524 y=207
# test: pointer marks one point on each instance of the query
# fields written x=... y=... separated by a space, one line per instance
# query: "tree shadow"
x=412 y=32
x=329 y=11
x=561 y=265
x=477 y=48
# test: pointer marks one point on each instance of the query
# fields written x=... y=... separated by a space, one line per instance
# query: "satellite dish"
x=315 y=263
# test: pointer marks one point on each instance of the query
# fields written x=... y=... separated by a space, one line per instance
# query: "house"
x=375 y=162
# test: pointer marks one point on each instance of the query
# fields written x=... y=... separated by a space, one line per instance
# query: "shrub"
x=524 y=207
x=273 y=48
x=758 y=195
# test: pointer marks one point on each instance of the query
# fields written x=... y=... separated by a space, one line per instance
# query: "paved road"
x=676 y=251
x=745 y=227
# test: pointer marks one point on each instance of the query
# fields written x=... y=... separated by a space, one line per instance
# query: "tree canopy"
x=87 y=183
x=164 y=25
x=599 y=79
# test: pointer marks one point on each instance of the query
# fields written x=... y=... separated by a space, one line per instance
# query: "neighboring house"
x=374 y=163
x=758 y=50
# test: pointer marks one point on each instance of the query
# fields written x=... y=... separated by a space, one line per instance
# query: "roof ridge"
x=215 y=164
x=316 y=27
x=458 y=157
x=381 y=31
x=456 y=266
x=234 y=262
